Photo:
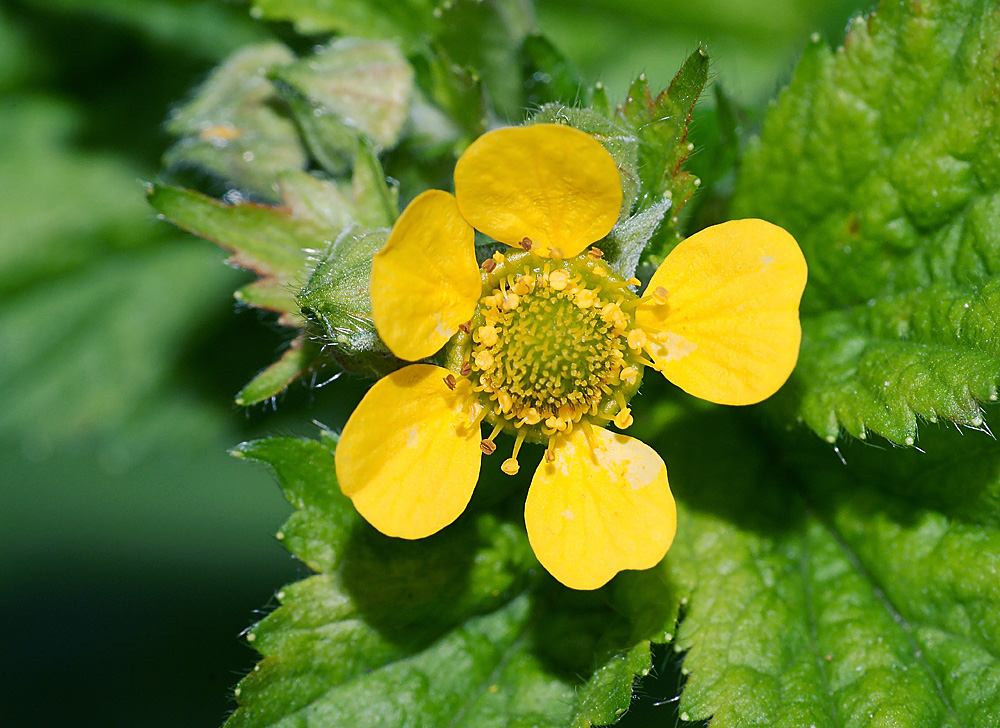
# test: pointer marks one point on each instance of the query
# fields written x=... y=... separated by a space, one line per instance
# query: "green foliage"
x=463 y=627
x=814 y=599
x=347 y=91
x=232 y=129
x=801 y=592
x=881 y=159
x=95 y=310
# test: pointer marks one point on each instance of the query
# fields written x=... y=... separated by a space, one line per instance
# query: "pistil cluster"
x=552 y=346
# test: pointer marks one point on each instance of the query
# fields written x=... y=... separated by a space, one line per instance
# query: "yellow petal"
x=552 y=184
x=593 y=513
x=729 y=331
x=425 y=281
x=408 y=457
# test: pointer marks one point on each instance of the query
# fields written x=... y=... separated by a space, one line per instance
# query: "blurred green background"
x=133 y=550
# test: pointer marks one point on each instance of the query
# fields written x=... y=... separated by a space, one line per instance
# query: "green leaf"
x=347 y=88
x=661 y=126
x=268 y=240
x=283 y=245
x=462 y=628
x=232 y=128
x=814 y=599
x=881 y=159
x=301 y=356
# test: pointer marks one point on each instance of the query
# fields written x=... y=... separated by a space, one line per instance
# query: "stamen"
x=555 y=252
x=490 y=448
x=526 y=243
x=624 y=418
x=559 y=279
x=489 y=265
x=586 y=298
x=633 y=281
x=510 y=465
x=660 y=295
x=595 y=253
x=466 y=368
x=484 y=360
x=450 y=381
x=636 y=339
x=588 y=431
x=487 y=335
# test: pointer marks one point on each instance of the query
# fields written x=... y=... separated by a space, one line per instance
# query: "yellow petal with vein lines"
x=730 y=328
x=425 y=281
x=552 y=184
x=408 y=457
x=593 y=513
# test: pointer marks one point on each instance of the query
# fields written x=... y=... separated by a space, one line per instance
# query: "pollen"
x=551 y=346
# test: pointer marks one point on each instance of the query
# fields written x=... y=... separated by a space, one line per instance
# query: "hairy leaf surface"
x=882 y=160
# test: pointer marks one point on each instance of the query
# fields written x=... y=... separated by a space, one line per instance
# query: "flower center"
x=552 y=346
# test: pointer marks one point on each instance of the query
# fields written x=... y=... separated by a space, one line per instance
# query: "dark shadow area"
x=656 y=697
x=123 y=645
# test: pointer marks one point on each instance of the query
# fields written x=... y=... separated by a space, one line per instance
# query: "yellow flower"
x=548 y=343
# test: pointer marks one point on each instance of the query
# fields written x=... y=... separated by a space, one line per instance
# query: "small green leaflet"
x=462 y=628
x=883 y=159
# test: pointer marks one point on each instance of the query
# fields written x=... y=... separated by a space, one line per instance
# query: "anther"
x=510 y=301
x=636 y=339
x=466 y=368
x=550 y=457
x=595 y=253
x=559 y=279
x=450 y=381
x=633 y=281
x=628 y=375
x=526 y=243
x=484 y=360
x=489 y=265
x=555 y=252
x=487 y=335
x=585 y=298
x=464 y=328
x=660 y=295
x=487 y=446
x=624 y=418
x=524 y=285
x=510 y=466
